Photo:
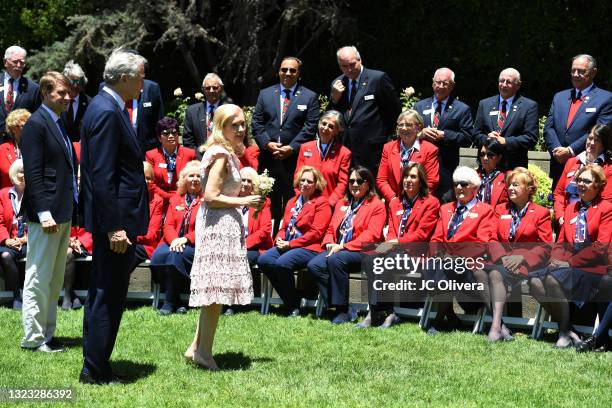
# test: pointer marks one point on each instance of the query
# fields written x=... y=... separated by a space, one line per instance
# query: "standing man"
x=49 y=202
x=16 y=91
x=573 y=113
x=448 y=125
x=370 y=105
x=286 y=115
x=199 y=116
x=115 y=208
x=509 y=118
x=80 y=100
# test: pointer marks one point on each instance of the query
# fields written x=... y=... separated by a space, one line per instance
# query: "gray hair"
x=589 y=58
x=212 y=75
x=335 y=115
x=12 y=50
x=464 y=173
x=249 y=171
x=442 y=69
x=16 y=167
x=122 y=62
x=73 y=69
x=513 y=72
x=351 y=48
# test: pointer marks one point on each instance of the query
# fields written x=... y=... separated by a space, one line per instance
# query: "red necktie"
x=10 y=95
x=286 y=102
x=576 y=102
x=437 y=115
x=129 y=107
x=501 y=118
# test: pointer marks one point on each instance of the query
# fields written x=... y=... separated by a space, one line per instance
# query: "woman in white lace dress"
x=220 y=274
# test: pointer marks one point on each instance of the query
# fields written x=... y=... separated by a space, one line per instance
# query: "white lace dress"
x=220 y=272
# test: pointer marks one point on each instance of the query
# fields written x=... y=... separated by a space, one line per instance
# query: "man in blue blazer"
x=573 y=113
x=49 y=203
x=509 y=118
x=114 y=205
x=285 y=116
x=79 y=100
x=370 y=105
x=448 y=125
x=16 y=91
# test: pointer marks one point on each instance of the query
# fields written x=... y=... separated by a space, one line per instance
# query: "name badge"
x=179 y=208
x=307 y=154
x=589 y=110
x=344 y=208
x=368 y=97
x=147 y=104
x=162 y=165
x=427 y=112
x=570 y=174
x=302 y=107
x=506 y=217
x=400 y=212
x=493 y=113
x=473 y=215
x=573 y=220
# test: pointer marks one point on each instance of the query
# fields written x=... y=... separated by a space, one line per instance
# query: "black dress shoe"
x=181 y=310
x=86 y=378
x=166 y=310
x=591 y=343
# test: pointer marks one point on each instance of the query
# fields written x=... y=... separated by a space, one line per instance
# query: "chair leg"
x=425 y=313
x=319 y=307
x=264 y=293
x=537 y=322
x=479 y=322
x=156 y=293
x=268 y=297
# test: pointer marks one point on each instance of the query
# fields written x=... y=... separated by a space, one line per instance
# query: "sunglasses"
x=490 y=155
x=76 y=82
x=463 y=184
x=290 y=70
x=359 y=181
x=584 y=181
x=169 y=132
x=211 y=88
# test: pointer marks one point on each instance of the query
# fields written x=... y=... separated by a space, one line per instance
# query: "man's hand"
x=337 y=89
x=178 y=244
x=272 y=147
x=497 y=136
x=561 y=154
x=118 y=241
x=283 y=152
x=49 y=226
x=432 y=135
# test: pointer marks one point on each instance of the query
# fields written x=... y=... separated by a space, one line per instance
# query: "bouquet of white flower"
x=264 y=187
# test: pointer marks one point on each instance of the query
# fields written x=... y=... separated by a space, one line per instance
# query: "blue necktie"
x=291 y=232
x=456 y=221
x=486 y=187
x=407 y=204
x=582 y=227
x=75 y=188
x=517 y=216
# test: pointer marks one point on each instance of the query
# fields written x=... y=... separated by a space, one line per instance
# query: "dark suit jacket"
x=194 y=127
x=596 y=109
x=74 y=127
x=48 y=169
x=457 y=124
x=373 y=116
x=28 y=98
x=520 y=128
x=113 y=191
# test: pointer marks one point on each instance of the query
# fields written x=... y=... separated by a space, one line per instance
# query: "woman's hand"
x=513 y=262
x=254 y=201
x=75 y=244
x=13 y=243
x=178 y=244
x=556 y=263
x=282 y=245
x=334 y=248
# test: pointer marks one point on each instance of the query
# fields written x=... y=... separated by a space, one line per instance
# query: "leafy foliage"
x=543 y=194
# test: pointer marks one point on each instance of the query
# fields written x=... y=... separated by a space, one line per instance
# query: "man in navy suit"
x=114 y=207
x=448 y=125
x=509 y=118
x=370 y=105
x=16 y=91
x=286 y=115
x=199 y=116
x=49 y=201
x=573 y=113
x=79 y=102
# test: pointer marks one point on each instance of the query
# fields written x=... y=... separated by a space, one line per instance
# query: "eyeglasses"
x=211 y=88
x=169 y=132
x=490 y=155
x=290 y=70
x=359 y=181
x=76 y=82
x=584 y=181
x=506 y=82
x=442 y=83
x=406 y=125
x=463 y=184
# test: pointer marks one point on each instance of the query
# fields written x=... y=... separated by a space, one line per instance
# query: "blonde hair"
x=223 y=115
x=524 y=176
x=17 y=118
x=320 y=182
x=181 y=184
x=16 y=167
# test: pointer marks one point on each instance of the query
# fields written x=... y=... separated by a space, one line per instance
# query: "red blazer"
x=77 y=150
x=477 y=226
x=174 y=217
x=250 y=158
x=599 y=219
x=259 y=235
x=6 y=216
x=535 y=227
x=499 y=192
x=390 y=170
x=561 y=199
x=312 y=223
x=368 y=224
x=7 y=157
x=151 y=240
x=334 y=168
x=84 y=237
x=421 y=221
x=158 y=161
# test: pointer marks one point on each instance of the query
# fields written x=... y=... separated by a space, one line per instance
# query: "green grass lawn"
x=274 y=361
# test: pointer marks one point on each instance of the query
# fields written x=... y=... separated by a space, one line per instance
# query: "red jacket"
x=174 y=217
x=421 y=221
x=7 y=229
x=334 y=168
x=535 y=227
x=368 y=224
x=259 y=235
x=7 y=157
x=499 y=192
x=312 y=222
x=151 y=240
x=389 y=171
x=561 y=199
x=156 y=158
x=250 y=157
x=84 y=237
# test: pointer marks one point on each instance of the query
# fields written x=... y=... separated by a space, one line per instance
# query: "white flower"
x=199 y=96
x=178 y=92
x=409 y=91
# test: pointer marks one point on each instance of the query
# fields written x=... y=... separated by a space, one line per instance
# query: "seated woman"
x=407 y=148
x=578 y=262
x=176 y=251
x=80 y=246
x=358 y=220
x=491 y=162
x=169 y=159
x=249 y=156
x=523 y=232
x=465 y=220
x=9 y=150
x=597 y=150
x=306 y=218
x=412 y=218
x=327 y=155
x=13 y=231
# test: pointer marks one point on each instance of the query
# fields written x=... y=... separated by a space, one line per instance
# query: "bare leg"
x=194 y=344
x=209 y=318
x=498 y=289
